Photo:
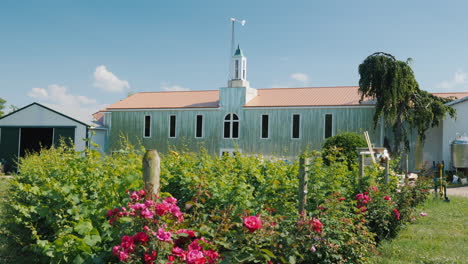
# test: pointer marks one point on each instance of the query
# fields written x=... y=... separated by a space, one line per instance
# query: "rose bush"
x=158 y=233
x=232 y=210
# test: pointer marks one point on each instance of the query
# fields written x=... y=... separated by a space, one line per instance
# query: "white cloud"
x=107 y=81
x=301 y=77
x=459 y=82
x=176 y=88
x=58 y=97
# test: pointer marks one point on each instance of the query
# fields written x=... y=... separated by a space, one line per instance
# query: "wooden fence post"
x=387 y=169
x=361 y=165
x=151 y=173
x=303 y=179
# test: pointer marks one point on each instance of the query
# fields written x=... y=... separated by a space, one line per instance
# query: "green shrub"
x=56 y=203
x=57 y=206
x=343 y=146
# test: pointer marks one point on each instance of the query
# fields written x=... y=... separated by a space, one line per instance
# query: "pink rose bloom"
x=149 y=203
x=123 y=256
x=196 y=257
x=317 y=225
x=150 y=258
x=341 y=199
x=135 y=196
x=171 y=200
x=115 y=250
x=141 y=237
x=175 y=211
x=190 y=233
x=146 y=213
x=374 y=188
x=110 y=213
x=162 y=208
x=163 y=236
x=127 y=242
x=178 y=252
x=252 y=223
x=397 y=214
x=423 y=214
x=211 y=255
x=138 y=206
x=388 y=198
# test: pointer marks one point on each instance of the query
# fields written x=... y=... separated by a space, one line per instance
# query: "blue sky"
x=79 y=56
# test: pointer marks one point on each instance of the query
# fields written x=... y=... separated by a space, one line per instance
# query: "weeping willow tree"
x=403 y=105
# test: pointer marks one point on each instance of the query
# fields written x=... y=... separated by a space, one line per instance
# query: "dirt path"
x=459 y=191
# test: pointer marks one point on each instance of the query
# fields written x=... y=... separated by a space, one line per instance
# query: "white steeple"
x=239 y=70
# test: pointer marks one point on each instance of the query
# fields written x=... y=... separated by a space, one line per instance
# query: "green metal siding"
x=9 y=143
x=280 y=142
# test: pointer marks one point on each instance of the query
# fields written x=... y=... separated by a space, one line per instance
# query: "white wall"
x=438 y=139
x=36 y=115
x=432 y=150
x=99 y=137
x=452 y=127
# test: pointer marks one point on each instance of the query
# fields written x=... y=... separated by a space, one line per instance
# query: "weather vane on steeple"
x=233 y=39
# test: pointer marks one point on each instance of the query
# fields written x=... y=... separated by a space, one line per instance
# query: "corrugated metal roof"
x=179 y=99
x=274 y=97
x=309 y=96
x=456 y=95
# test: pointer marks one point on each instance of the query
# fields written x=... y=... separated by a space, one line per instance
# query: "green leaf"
x=292 y=259
x=92 y=239
x=83 y=227
x=268 y=252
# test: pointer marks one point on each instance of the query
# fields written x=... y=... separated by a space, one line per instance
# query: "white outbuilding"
x=34 y=126
x=438 y=139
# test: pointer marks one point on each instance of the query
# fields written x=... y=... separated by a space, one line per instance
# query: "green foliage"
x=343 y=144
x=239 y=182
x=57 y=206
x=400 y=101
x=58 y=200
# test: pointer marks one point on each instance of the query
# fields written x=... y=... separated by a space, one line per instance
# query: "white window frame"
x=231 y=151
x=203 y=125
x=231 y=127
x=292 y=126
x=325 y=125
x=261 y=126
x=169 y=128
x=144 y=126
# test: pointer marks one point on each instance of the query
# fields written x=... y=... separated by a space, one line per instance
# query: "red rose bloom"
x=397 y=214
x=317 y=225
x=252 y=223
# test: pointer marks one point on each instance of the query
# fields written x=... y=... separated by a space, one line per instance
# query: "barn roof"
x=273 y=97
x=48 y=108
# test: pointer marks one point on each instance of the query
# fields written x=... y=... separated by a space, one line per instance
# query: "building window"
x=172 y=126
x=328 y=125
x=265 y=127
x=243 y=69
x=147 y=132
x=231 y=126
x=229 y=152
x=236 y=69
x=296 y=126
x=199 y=127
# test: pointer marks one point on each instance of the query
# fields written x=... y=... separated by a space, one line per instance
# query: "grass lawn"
x=441 y=237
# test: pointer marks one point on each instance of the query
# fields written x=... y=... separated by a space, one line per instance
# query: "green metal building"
x=279 y=122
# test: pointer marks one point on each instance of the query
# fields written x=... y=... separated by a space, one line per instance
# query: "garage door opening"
x=33 y=139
